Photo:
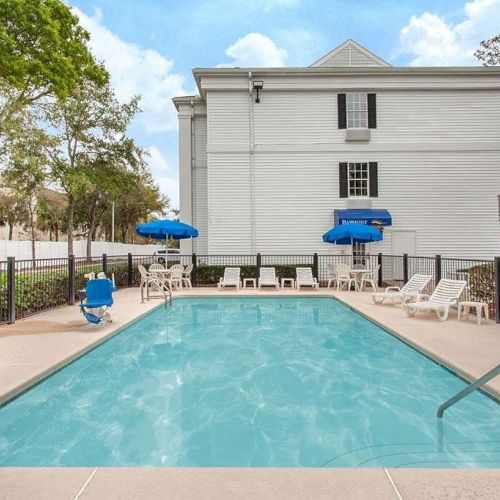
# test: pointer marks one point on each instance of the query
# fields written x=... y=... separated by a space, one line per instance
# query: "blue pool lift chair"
x=99 y=293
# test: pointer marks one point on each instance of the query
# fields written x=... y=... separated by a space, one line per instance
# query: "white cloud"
x=137 y=71
x=255 y=50
x=162 y=173
x=431 y=41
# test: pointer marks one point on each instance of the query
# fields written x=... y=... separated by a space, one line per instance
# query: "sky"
x=151 y=46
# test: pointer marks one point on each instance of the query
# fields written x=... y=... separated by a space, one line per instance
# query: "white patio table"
x=357 y=274
x=161 y=273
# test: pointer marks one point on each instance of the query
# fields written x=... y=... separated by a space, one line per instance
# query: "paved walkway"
x=34 y=347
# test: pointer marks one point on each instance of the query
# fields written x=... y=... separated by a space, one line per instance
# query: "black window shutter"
x=373 y=179
x=372 y=111
x=342 y=110
x=343 y=181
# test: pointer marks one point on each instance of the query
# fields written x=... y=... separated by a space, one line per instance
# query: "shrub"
x=482 y=285
x=210 y=275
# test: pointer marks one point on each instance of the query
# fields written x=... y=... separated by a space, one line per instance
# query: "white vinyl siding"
x=228 y=121
x=438 y=154
x=200 y=195
x=229 y=202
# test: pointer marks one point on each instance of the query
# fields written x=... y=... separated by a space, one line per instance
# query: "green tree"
x=140 y=200
x=89 y=128
x=43 y=49
x=12 y=207
x=26 y=173
x=108 y=182
x=51 y=213
x=489 y=52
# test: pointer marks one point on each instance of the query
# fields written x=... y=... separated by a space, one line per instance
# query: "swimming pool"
x=250 y=381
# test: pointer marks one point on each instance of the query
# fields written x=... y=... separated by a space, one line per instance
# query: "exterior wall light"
x=258 y=85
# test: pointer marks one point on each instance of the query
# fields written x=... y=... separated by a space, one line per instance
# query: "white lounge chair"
x=305 y=278
x=370 y=278
x=445 y=295
x=411 y=289
x=267 y=277
x=231 y=278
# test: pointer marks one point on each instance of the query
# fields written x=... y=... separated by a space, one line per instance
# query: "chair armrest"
x=393 y=289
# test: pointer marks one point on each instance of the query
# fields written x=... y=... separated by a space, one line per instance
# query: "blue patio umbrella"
x=165 y=229
x=346 y=234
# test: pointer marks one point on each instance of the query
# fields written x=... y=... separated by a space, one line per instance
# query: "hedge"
x=210 y=275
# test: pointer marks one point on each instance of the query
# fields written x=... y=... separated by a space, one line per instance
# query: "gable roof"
x=350 y=54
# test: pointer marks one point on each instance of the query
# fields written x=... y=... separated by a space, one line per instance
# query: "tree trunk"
x=11 y=230
x=56 y=230
x=71 y=213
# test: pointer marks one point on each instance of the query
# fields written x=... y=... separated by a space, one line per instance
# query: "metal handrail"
x=470 y=388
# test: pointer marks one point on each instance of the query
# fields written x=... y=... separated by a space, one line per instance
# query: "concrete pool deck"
x=35 y=347
x=246 y=484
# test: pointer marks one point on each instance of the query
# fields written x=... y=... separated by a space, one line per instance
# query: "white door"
x=402 y=242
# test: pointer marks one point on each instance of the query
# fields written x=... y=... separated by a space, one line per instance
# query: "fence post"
x=380 y=276
x=129 y=270
x=11 y=290
x=259 y=263
x=315 y=266
x=405 y=268
x=104 y=263
x=71 y=279
x=437 y=270
x=497 y=289
x=194 y=261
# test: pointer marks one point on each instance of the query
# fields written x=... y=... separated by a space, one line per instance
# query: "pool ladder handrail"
x=470 y=388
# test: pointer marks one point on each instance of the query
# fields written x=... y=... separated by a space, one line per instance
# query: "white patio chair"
x=331 y=274
x=344 y=276
x=186 y=276
x=397 y=295
x=370 y=278
x=231 y=278
x=446 y=294
x=305 y=278
x=267 y=277
x=150 y=280
x=175 y=276
x=156 y=267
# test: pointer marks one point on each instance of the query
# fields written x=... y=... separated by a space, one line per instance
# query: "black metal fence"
x=31 y=286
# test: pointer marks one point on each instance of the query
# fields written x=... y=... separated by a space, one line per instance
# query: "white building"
x=348 y=132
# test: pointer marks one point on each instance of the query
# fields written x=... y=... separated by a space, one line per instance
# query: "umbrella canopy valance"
x=164 y=229
x=346 y=234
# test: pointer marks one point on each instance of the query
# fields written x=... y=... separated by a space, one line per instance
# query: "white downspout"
x=193 y=174
x=252 y=165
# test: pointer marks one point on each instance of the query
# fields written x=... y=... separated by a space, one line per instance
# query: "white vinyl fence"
x=58 y=249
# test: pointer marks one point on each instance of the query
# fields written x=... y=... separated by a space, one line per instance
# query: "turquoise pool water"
x=250 y=382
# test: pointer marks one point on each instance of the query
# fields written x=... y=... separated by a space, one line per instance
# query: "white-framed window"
x=357 y=110
x=358 y=179
x=359 y=257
